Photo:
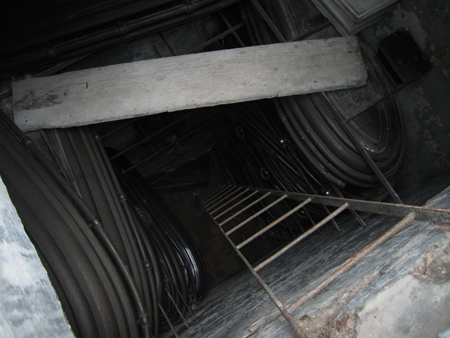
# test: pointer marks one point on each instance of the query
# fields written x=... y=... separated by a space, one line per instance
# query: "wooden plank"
x=189 y=81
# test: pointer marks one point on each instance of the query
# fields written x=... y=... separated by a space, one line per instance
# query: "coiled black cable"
x=321 y=141
x=108 y=291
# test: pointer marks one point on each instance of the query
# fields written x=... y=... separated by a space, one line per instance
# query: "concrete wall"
x=29 y=306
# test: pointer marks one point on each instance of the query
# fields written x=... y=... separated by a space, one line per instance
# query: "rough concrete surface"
x=417 y=305
x=28 y=303
x=403 y=283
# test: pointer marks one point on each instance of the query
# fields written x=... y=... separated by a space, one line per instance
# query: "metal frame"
x=217 y=197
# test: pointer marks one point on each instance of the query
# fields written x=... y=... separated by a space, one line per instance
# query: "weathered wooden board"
x=189 y=81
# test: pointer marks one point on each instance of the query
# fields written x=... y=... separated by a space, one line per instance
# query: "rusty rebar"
x=352 y=261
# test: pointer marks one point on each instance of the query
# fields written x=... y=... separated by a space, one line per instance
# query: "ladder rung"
x=228 y=202
x=257 y=214
x=243 y=209
x=207 y=194
x=223 y=197
x=271 y=225
x=215 y=194
x=236 y=204
x=301 y=237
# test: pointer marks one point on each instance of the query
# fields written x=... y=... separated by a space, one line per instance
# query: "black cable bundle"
x=260 y=153
x=70 y=29
x=182 y=272
x=118 y=278
x=313 y=124
x=162 y=258
x=96 y=289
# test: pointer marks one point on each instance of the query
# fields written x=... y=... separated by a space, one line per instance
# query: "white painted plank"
x=189 y=81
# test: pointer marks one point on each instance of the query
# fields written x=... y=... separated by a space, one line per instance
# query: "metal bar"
x=302 y=176
x=236 y=36
x=207 y=194
x=236 y=204
x=145 y=159
x=151 y=136
x=216 y=38
x=245 y=208
x=379 y=100
x=424 y=213
x=228 y=202
x=363 y=151
x=121 y=126
x=301 y=237
x=178 y=310
x=223 y=198
x=168 y=321
x=192 y=149
x=351 y=262
x=256 y=215
x=353 y=212
x=166 y=43
x=336 y=225
x=218 y=194
x=311 y=32
x=297 y=330
x=271 y=225
x=268 y=21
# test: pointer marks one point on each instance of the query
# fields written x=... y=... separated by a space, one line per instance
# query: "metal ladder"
x=226 y=202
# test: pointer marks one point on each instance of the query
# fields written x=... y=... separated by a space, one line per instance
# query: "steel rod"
x=168 y=321
x=212 y=191
x=271 y=225
x=245 y=208
x=150 y=137
x=223 y=198
x=301 y=237
x=215 y=38
x=256 y=215
x=178 y=310
x=363 y=151
x=379 y=100
x=353 y=212
x=228 y=202
x=351 y=262
x=233 y=30
x=284 y=312
x=148 y=158
x=236 y=204
x=218 y=194
x=268 y=21
x=424 y=213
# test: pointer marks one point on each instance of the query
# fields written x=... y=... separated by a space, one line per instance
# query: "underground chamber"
x=289 y=216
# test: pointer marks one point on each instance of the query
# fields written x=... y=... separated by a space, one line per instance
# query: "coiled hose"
x=114 y=279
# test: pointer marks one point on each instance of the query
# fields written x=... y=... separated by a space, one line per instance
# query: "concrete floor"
x=400 y=290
